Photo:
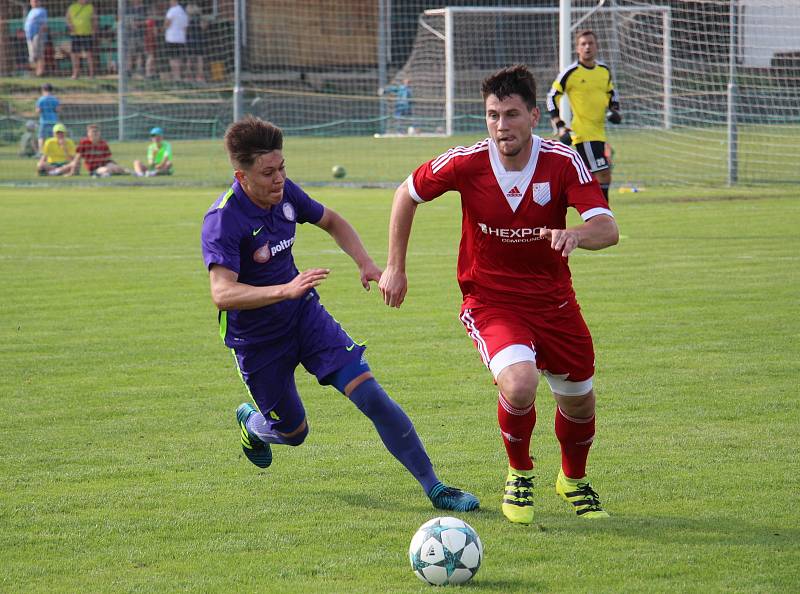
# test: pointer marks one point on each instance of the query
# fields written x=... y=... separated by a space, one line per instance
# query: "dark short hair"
x=585 y=33
x=47 y=87
x=250 y=137
x=513 y=80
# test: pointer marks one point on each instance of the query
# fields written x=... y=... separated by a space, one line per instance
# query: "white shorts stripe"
x=587 y=147
x=475 y=335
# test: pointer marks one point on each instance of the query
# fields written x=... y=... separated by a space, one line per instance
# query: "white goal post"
x=449 y=36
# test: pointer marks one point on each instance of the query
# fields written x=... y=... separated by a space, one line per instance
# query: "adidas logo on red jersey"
x=514 y=193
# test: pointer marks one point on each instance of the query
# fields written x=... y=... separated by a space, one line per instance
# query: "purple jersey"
x=256 y=243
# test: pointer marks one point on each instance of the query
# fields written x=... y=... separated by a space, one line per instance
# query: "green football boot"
x=518 y=496
x=580 y=494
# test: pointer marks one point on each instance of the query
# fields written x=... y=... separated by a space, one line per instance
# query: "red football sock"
x=516 y=427
x=575 y=437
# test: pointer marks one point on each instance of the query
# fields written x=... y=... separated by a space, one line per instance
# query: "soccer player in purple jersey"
x=271 y=317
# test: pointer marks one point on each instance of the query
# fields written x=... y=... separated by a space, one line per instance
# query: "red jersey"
x=94 y=155
x=503 y=258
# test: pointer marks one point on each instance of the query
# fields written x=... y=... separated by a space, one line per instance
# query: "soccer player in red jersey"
x=519 y=307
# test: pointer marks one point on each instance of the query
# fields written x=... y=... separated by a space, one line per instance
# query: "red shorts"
x=558 y=341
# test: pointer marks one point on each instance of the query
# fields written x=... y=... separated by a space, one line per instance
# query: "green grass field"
x=122 y=472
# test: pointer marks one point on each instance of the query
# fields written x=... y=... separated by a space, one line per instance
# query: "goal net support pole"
x=565 y=50
x=733 y=131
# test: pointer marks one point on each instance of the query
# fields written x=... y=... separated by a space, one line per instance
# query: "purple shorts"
x=316 y=341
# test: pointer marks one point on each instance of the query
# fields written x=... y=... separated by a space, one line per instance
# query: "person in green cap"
x=159 y=157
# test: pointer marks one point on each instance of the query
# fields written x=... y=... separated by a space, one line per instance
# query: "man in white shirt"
x=177 y=21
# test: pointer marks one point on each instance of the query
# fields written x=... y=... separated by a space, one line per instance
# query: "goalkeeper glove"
x=563 y=133
x=614 y=116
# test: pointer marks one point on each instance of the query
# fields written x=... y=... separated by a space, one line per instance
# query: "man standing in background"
x=195 y=44
x=47 y=106
x=177 y=21
x=402 y=104
x=35 y=35
x=82 y=25
x=587 y=83
x=135 y=16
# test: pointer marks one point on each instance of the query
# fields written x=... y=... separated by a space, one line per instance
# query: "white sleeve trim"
x=412 y=190
x=593 y=212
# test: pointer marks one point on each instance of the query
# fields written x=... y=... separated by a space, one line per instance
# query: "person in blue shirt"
x=47 y=106
x=402 y=103
x=35 y=34
x=271 y=316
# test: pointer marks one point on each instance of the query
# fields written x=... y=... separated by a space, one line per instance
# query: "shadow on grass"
x=681 y=530
x=398 y=502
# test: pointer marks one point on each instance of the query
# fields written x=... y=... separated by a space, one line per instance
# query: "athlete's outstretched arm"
x=346 y=238
x=394 y=282
x=595 y=234
x=228 y=293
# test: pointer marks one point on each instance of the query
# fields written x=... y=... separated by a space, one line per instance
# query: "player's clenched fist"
x=393 y=286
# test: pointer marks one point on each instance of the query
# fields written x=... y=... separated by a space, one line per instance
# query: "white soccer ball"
x=445 y=551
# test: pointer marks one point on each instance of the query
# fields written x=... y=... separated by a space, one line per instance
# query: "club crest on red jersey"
x=262 y=254
x=541 y=193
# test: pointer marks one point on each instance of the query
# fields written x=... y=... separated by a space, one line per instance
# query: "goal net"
x=458 y=46
x=708 y=89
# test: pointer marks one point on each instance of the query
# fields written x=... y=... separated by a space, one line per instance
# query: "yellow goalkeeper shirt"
x=590 y=92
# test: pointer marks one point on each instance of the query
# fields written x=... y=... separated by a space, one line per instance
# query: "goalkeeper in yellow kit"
x=592 y=97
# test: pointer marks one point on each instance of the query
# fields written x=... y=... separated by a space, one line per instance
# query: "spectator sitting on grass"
x=28 y=144
x=159 y=157
x=58 y=154
x=96 y=154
